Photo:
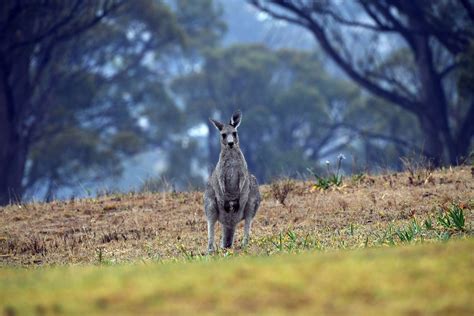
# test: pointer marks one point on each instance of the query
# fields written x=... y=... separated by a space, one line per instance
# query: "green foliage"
x=358 y=177
x=188 y=255
x=326 y=183
x=201 y=21
x=286 y=97
x=387 y=236
x=428 y=224
x=443 y=235
x=289 y=241
x=453 y=219
x=334 y=178
x=105 y=98
x=409 y=232
x=322 y=183
x=393 y=73
x=449 y=222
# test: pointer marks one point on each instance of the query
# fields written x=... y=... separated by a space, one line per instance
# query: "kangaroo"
x=232 y=193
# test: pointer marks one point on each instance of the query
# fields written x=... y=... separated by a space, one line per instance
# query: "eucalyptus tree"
x=84 y=85
x=289 y=124
x=408 y=53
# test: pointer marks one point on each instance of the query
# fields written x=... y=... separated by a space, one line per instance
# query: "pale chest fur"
x=232 y=175
x=233 y=169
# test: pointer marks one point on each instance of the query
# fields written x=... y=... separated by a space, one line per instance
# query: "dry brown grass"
x=281 y=188
x=162 y=225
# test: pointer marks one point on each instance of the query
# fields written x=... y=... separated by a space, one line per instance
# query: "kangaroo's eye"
x=224 y=136
x=234 y=134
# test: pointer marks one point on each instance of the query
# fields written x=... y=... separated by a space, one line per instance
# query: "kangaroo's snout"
x=230 y=141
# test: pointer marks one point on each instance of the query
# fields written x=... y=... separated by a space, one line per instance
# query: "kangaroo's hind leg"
x=252 y=206
x=210 y=208
x=247 y=227
x=251 y=209
x=210 y=235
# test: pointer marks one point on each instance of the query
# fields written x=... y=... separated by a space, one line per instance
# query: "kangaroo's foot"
x=210 y=249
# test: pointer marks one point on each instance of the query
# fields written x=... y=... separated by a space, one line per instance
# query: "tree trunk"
x=15 y=93
x=434 y=117
x=12 y=157
x=464 y=136
x=12 y=167
x=442 y=144
x=432 y=144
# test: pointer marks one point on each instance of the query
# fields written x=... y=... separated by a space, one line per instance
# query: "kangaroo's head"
x=229 y=136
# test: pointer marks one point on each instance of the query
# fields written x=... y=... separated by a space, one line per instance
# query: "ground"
x=145 y=252
x=160 y=226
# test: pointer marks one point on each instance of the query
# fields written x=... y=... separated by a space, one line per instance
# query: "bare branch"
x=52 y=31
x=392 y=81
x=448 y=69
x=387 y=14
x=335 y=149
x=380 y=136
x=275 y=15
x=429 y=24
x=469 y=8
x=378 y=27
x=308 y=21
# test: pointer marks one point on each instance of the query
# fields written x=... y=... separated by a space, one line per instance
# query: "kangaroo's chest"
x=232 y=175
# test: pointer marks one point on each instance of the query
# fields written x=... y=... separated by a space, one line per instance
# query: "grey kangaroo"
x=232 y=193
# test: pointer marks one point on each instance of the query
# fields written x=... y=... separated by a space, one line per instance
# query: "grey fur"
x=232 y=193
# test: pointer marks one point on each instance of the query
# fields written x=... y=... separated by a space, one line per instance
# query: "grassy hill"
x=144 y=252
x=364 y=211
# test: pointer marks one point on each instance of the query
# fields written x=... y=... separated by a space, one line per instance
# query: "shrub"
x=333 y=178
x=281 y=188
x=453 y=218
x=419 y=170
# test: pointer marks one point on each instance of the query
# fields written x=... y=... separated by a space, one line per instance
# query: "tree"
x=288 y=125
x=83 y=84
x=405 y=52
x=30 y=33
x=381 y=134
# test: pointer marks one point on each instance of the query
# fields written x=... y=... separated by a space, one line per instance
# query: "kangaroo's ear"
x=236 y=119
x=217 y=124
